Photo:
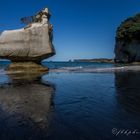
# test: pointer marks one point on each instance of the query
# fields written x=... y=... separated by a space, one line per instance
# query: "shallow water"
x=71 y=106
x=89 y=106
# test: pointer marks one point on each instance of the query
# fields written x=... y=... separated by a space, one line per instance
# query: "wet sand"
x=27 y=110
x=25 y=107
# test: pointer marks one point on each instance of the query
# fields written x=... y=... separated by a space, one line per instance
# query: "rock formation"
x=30 y=44
x=127 y=48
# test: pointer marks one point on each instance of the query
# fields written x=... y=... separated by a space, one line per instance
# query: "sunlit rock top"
x=31 y=43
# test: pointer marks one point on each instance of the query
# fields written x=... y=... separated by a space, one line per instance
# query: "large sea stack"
x=127 y=48
x=26 y=47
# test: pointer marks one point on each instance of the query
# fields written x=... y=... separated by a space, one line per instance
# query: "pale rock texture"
x=32 y=43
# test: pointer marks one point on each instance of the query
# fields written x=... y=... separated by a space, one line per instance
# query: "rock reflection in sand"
x=127 y=89
x=25 y=109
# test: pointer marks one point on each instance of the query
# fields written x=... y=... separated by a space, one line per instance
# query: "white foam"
x=94 y=70
x=71 y=68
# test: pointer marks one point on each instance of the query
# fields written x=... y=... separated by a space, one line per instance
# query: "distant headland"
x=98 y=60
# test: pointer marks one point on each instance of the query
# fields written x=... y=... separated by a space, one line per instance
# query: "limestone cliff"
x=127 y=48
x=32 y=43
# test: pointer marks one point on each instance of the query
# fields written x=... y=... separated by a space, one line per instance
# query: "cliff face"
x=32 y=43
x=127 y=47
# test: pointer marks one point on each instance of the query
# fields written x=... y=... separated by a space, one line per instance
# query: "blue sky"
x=82 y=28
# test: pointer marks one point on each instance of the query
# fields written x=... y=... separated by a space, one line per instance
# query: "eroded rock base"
x=26 y=71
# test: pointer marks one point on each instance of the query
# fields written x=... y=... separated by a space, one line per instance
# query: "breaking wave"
x=95 y=70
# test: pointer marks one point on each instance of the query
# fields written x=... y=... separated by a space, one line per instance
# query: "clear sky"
x=82 y=28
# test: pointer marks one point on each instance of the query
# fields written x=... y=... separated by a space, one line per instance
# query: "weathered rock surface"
x=32 y=43
x=127 y=48
x=27 y=71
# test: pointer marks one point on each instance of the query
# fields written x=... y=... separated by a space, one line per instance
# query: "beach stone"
x=32 y=43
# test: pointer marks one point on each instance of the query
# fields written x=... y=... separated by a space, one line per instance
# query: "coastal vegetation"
x=127 y=46
x=129 y=29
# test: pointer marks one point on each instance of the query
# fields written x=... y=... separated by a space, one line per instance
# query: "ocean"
x=70 y=103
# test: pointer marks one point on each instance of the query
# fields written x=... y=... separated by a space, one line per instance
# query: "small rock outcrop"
x=32 y=43
x=127 y=48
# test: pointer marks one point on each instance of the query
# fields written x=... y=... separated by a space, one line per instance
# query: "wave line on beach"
x=94 y=70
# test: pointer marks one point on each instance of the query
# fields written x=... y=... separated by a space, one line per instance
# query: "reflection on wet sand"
x=128 y=91
x=25 y=108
